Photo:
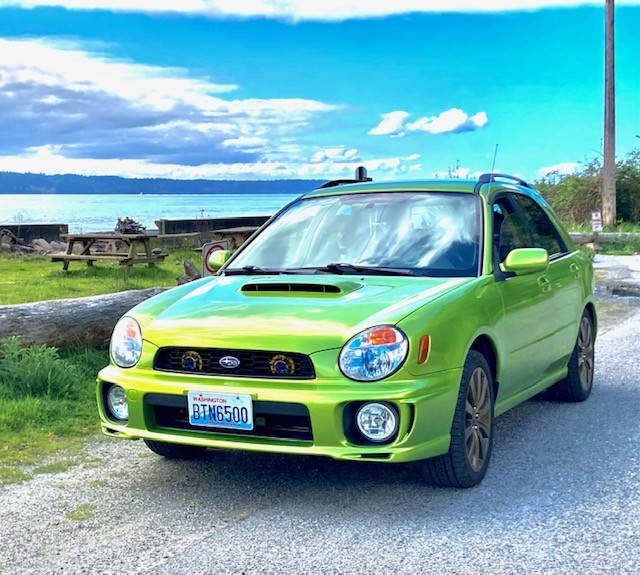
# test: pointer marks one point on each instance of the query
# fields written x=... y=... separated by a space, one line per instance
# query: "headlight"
x=374 y=354
x=126 y=342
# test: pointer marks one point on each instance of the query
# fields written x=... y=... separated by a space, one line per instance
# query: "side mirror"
x=525 y=261
x=217 y=259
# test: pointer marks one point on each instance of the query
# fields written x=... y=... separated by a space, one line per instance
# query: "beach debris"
x=191 y=272
x=9 y=242
x=8 y=237
x=43 y=247
x=129 y=226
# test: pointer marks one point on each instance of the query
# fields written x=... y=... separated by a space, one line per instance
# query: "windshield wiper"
x=347 y=268
x=257 y=270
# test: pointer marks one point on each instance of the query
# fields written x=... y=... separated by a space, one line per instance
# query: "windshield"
x=419 y=233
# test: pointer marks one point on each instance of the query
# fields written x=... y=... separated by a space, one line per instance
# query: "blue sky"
x=301 y=89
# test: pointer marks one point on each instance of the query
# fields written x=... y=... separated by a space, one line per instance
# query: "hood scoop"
x=270 y=286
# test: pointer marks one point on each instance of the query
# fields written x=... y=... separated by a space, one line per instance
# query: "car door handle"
x=575 y=268
x=545 y=284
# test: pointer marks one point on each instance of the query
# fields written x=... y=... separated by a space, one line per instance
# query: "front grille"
x=272 y=420
x=271 y=364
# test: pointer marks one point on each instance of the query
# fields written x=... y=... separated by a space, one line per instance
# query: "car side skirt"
x=517 y=398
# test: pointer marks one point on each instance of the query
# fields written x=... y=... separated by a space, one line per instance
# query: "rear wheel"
x=466 y=462
x=579 y=381
x=175 y=450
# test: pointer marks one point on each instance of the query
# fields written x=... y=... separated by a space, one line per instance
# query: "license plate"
x=226 y=410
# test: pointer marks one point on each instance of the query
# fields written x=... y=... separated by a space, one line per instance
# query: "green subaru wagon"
x=385 y=322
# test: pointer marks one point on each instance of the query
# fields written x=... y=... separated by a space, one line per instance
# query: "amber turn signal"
x=423 y=350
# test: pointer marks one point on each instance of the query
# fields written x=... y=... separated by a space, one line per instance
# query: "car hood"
x=293 y=313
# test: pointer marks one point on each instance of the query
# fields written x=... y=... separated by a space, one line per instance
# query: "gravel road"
x=562 y=495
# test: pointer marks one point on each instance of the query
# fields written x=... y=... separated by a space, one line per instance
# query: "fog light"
x=117 y=402
x=377 y=421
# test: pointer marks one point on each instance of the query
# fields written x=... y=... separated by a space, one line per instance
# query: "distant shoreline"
x=69 y=184
x=162 y=193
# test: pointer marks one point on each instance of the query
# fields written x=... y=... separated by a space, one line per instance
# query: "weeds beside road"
x=47 y=403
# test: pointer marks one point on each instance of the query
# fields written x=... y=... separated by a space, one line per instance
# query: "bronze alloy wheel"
x=478 y=415
x=581 y=366
x=585 y=353
x=467 y=460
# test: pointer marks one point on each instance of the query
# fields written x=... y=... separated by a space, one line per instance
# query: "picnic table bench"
x=137 y=249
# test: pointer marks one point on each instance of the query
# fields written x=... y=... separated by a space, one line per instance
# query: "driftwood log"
x=70 y=322
x=603 y=237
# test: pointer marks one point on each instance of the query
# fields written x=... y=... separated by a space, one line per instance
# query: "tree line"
x=574 y=196
x=16 y=183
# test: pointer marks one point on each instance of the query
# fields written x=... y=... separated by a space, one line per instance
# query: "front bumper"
x=425 y=408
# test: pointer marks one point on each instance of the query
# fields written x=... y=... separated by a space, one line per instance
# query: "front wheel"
x=175 y=450
x=467 y=460
x=579 y=381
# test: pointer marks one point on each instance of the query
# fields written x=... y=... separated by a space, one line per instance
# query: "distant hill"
x=14 y=183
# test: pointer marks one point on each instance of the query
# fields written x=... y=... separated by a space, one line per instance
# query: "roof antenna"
x=495 y=155
x=361 y=174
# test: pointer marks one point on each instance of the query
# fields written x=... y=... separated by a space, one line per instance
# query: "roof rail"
x=487 y=178
x=361 y=176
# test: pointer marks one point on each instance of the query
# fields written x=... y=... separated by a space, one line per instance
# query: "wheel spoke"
x=485 y=413
x=473 y=388
x=484 y=448
x=484 y=394
x=467 y=433
x=468 y=408
x=475 y=455
x=484 y=428
x=477 y=433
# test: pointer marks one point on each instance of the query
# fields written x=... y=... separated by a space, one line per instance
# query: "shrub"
x=37 y=372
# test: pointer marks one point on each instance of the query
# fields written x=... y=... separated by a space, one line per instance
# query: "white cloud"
x=450 y=121
x=337 y=154
x=562 y=168
x=378 y=167
x=392 y=124
x=294 y=10
x=88 y=106
x=48 y=160
x=453 y=120
x=244 y=142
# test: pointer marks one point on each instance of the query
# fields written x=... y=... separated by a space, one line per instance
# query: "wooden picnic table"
x=137 y=249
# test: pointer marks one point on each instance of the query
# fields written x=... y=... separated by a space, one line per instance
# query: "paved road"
x=562 y=496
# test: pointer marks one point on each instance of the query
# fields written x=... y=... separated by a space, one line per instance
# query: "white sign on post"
x=596 y=221
x=207 y=250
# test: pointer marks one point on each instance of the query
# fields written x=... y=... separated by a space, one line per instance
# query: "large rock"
x=42 y=246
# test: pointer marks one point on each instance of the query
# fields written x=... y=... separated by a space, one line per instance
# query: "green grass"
x=10 y=475
x=47 y=404
x=29 y=278
x=81 y=512
x=621 y=248
x=57 y=467
x=621 y=228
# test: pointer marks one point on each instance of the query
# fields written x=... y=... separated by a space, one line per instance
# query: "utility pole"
x=609 y=166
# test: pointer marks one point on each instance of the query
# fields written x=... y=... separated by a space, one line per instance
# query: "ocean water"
x=92 y=213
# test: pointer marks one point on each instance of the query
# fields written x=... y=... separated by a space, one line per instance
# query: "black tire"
x=175 y=450
x=472 y=427
x=579 y=381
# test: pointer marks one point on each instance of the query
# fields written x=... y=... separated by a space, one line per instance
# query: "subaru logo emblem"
x=229 y=362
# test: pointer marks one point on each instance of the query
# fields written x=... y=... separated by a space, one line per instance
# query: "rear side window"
x=543 y=234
